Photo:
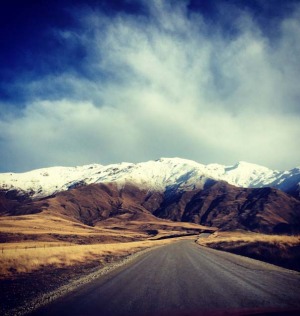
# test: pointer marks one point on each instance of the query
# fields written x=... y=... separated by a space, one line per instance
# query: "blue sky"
x=110 y=81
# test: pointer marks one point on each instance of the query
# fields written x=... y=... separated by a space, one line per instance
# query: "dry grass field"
x=46 y=227
x=277 y=249
x=38 y=241
x=43 y=227
x=28 y=257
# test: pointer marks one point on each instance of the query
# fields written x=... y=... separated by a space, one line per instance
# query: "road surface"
x=183 y=278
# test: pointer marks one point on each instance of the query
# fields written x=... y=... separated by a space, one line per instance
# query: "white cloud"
x=167 y=85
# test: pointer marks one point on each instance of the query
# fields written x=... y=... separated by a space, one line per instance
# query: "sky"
x=112 y=81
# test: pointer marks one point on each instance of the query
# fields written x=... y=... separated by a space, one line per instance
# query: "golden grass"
x=15 y=258
x=40 y=226
x=49 y=228
x=32 y=242
x=159 y=222
x=247 y=238
x=43 y=223
x=281 y=250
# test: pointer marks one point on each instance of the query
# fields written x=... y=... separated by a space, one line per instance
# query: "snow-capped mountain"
x=152 y=175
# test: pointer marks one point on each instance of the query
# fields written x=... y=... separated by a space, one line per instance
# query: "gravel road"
x=183 y=278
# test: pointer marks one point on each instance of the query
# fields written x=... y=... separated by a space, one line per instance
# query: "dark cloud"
x=150 y=79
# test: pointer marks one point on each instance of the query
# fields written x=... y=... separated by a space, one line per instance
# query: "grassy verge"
x=281 y=250
x=34 y=274
x=16 y=258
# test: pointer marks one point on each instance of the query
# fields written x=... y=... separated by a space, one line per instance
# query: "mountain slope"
x=228 y=207
x=218 y=204
x=159 y=175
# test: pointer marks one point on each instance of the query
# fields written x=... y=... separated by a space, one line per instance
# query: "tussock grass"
x=47 y=227
x=43 y=223
x=36 y=241
x=249 y=237
x=15 y=260
x=277 y=249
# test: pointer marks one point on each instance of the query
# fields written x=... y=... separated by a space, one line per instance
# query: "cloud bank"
x=162 y=84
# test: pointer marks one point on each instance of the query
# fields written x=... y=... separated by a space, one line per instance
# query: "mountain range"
x=242 y=196
x=156 y=175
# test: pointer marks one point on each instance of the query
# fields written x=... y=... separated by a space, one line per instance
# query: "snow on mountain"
x=244 y=174
x=46 y=181
x=151 y=175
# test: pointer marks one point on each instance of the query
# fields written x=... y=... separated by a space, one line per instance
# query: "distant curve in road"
x=183 y=278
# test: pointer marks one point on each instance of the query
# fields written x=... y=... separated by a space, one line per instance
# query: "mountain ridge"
x=158 y=175
x=243 y=196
